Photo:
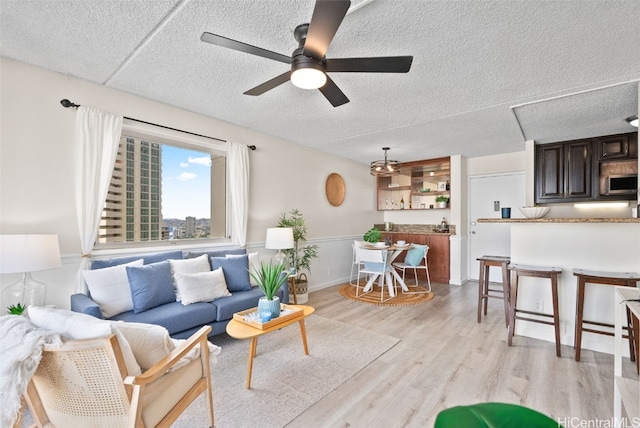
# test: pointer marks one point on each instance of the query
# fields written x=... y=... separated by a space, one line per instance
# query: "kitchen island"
x=602 y=244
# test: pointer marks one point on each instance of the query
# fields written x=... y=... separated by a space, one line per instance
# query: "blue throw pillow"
x=151 y=286
x=415 y=254
x=236 y=271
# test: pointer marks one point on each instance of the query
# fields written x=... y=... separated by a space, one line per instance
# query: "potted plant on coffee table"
x=269 y=277
x=300 y=255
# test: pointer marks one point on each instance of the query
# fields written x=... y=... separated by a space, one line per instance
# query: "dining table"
x=393 y=251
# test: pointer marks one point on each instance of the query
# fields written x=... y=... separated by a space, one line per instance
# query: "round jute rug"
x=373 y=298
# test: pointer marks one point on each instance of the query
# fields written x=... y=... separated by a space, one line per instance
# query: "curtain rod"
x=66 y=103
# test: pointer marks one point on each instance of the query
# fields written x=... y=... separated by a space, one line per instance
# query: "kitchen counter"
x=601 y=244
x=560 y=220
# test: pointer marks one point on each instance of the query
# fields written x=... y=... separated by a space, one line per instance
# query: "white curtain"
x=239 y=190
x=97 y=136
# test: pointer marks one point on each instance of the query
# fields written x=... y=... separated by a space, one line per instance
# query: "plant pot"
x=442 y=204
x=302 y=295
x=273 y=306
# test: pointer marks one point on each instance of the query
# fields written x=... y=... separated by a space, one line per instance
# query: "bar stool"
x=624 y=279
x=486 y=262
x=551 y=273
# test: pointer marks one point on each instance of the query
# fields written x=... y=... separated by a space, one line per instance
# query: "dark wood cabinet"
x=564 y=171
x=575 y=171
x=438 y=256
x=614 y=147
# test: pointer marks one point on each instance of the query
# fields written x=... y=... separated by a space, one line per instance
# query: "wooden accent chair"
x=85 y=383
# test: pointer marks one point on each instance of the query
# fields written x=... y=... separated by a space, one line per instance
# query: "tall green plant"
x=269 y=277
x=300 y=255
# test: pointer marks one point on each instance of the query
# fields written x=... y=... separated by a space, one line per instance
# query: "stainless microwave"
x=623 y=184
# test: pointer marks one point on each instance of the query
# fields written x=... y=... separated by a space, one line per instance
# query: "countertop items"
x=560 y=220
x=421 y=229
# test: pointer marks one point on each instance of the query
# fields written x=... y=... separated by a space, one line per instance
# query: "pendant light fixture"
x=383 y=168
x=633 y=120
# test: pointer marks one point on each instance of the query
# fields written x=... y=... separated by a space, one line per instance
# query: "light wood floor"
x=445 y=358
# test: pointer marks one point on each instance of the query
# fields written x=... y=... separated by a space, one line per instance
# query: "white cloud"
x=203 y=161
x=186 y=176
x=184 y=164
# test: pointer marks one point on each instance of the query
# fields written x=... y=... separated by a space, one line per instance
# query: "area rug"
x=373 y=298
x=285 y=382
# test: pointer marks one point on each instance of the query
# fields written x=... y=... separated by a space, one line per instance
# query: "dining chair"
x=416 y=255
x=374 y=263
x=355 y=263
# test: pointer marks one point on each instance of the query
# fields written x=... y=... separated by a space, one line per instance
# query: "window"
x=166 y=186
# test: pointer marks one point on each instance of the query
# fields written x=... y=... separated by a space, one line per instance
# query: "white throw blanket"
x=20 y=352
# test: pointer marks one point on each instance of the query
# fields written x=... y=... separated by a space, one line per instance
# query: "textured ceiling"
x=485 y=75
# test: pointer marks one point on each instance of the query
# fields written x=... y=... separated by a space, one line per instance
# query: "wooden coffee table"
x=240 y=330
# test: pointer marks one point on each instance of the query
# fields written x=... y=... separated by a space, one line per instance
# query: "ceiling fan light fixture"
x=633 y=120
x=308 y=77
x=384 y=168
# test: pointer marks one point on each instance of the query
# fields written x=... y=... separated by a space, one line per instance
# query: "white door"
x=492 y=239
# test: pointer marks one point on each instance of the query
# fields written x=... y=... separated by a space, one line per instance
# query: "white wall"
x=37 y=185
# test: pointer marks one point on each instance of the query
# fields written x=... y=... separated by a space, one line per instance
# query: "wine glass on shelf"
x=386 y=204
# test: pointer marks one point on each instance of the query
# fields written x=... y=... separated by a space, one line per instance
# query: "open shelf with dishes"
x=419 y=185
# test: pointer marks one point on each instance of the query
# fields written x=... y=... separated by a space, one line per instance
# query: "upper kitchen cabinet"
x=564 y=172
x=623 y=146
x=587 y=170
x=416 y=187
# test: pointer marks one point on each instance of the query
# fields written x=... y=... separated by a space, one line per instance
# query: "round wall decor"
x=335 y=189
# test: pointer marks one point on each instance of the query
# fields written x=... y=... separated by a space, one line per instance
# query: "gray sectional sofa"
x=152 y=304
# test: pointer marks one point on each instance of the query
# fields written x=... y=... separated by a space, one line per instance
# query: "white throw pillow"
x=186 y=266
x=149 y=342
x=109 y=288
x=77 y=326
x=254 y=263
x=201 y=287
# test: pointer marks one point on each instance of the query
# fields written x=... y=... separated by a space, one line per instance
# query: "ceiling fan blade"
x=331 y=92
x=215 y=39
x=269 y=84
x=383 y=64
x=327 y=17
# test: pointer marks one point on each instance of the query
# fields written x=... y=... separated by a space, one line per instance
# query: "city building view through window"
x=162 y=192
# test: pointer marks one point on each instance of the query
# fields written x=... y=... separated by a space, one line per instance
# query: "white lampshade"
x=26 y=254
x=279 y=238
x=29 y=253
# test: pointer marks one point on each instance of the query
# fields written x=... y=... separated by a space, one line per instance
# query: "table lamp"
x=279 y=238
x=26 y=254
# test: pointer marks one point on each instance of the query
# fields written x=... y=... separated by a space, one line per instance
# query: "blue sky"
x=186 y=178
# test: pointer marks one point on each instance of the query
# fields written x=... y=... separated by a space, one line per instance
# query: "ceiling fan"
x=309 y=67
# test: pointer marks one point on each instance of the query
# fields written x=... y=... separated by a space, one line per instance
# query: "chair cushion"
x=163 y=394
x=215 y=253
x=415 y=254
x=149 y=343
x=151 y=286
x=201 y=286
x=236 y=271
x=109 y=288
x=76 y=326
x=174 y=316
x=147 y=258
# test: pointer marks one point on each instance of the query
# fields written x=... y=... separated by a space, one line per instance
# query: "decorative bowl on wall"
x=534 y=212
